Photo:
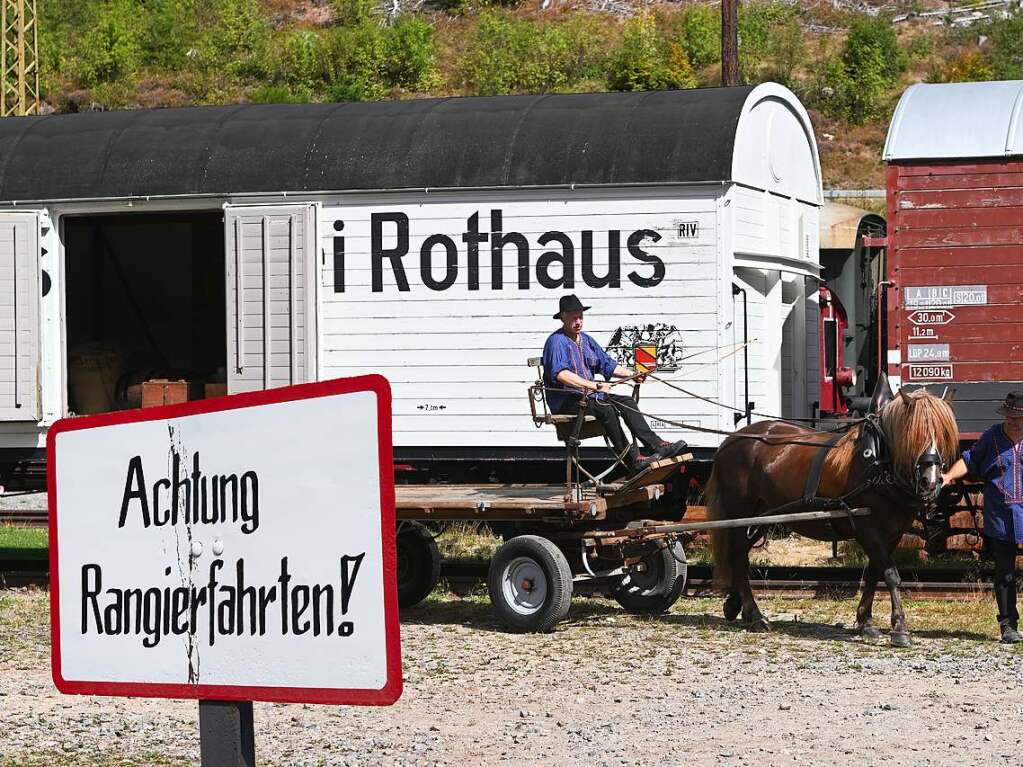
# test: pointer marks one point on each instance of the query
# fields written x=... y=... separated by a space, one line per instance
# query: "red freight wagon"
x=954 y=286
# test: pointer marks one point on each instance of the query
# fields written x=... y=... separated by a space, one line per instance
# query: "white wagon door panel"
x=270 y=295
x=19 y=317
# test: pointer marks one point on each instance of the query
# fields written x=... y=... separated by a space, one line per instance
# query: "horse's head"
x=923 y=437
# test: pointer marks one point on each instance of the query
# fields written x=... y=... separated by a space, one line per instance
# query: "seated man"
x=570 y=359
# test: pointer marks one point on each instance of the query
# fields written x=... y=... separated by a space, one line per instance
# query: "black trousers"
x=608 y=412
x=1004 y=554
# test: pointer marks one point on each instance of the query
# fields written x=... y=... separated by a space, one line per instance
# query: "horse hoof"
x=760 y=625
x=870 y=632
x=732 y=607
x=901 y=639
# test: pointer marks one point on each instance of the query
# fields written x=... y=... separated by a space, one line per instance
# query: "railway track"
x=932 y=583
x=834 y=582
x=24 y=517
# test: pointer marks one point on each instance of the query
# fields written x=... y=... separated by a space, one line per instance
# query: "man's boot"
x=637 y=461
x=670 y=449
x=1010 y=634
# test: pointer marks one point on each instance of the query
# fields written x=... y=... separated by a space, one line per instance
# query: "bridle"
x=875 y=449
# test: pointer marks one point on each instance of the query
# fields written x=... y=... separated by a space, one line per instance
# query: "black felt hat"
x=1013 y=404
x=570 y=303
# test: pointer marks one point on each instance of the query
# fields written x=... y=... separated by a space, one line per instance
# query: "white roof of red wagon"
x=949 y=121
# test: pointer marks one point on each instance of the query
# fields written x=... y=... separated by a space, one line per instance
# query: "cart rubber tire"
x=656 y=590
x=418 y=563
x=540 y=605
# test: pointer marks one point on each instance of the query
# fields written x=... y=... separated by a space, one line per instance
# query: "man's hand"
x=958 y=471
x=640 y=378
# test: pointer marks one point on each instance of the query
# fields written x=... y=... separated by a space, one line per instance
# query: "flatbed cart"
x=625 y=534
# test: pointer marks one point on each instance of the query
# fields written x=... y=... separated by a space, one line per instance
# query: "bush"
x=920 y=48
x=643 y=61
x=355 y=58
x=858 y=84
x=302 y=59
x=110 y=48
x=581 y=49
x=969 y=66
x=771 y=42
x=353 y=89
x=170 y=31
x=698 y=29
x=507 y=55
x=410 y=54
x=278 y=94
x=872 y=48
x=1005 y=37
x=238 y=36
x=352 y=13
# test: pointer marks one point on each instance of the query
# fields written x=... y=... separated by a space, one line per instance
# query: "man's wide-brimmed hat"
x=570 y=303
x=1013 y=404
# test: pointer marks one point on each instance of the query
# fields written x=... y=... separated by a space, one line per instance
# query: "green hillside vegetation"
x=848 y=67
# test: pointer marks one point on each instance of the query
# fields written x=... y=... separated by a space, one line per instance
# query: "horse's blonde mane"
x=839 y=459
x=912 y=422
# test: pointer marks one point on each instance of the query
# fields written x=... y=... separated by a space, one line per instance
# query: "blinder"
x=874 y=449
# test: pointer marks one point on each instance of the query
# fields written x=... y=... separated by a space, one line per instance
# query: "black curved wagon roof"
x=553 y=140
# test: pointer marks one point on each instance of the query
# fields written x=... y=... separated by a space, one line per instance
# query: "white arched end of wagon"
x=775 y=149
x=772 y=212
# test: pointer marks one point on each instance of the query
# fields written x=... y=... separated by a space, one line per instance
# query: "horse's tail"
x=720 y=540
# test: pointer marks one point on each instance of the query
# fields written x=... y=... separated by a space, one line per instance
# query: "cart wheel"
x=654 y=590
x=418 y=564
x=530 y=584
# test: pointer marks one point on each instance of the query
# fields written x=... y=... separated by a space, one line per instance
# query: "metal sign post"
x=227 y=737
x=228 y=550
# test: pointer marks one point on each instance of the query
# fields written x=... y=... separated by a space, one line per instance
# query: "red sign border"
x=384 y=696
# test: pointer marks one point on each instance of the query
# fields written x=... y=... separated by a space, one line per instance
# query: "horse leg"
x=880 y=560
x=900 y=633
x=864 y=611
x=725 y=543
x=751 y=615
x=733 y=605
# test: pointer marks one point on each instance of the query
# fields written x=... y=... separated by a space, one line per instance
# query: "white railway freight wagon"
x=249 y=247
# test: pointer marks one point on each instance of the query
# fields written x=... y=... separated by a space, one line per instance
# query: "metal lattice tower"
x=19 y=92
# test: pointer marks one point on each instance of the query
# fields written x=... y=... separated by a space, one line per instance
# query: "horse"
x=890 y=461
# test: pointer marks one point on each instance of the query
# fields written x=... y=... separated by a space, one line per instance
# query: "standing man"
x=570 y=360
x=997 y=458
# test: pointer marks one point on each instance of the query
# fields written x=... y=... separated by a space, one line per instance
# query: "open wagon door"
x=19 y=317
x=271 y=295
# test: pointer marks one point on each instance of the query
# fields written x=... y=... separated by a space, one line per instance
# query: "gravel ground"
x=605 y=689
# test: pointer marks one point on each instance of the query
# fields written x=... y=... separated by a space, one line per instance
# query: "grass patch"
x=24 y=625
x=64 y=759
x=23 y=542
x=467 y=540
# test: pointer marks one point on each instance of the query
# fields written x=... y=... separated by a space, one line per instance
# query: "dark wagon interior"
x=145 y=302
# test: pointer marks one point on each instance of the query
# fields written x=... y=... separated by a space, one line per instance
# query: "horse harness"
x=872 y=445
x=874 y=448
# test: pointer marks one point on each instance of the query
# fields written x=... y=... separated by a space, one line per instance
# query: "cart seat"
x=564 y=424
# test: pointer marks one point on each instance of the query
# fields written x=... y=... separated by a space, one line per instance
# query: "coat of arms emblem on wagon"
x=654 y=346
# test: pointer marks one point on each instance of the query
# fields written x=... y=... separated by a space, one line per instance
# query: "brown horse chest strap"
x=813 y=479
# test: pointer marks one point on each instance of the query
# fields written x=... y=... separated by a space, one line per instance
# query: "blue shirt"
x=996 y=460
x=561 y=353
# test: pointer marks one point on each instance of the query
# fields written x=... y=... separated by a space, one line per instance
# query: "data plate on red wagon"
x=930 y=372
x=240 y=548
